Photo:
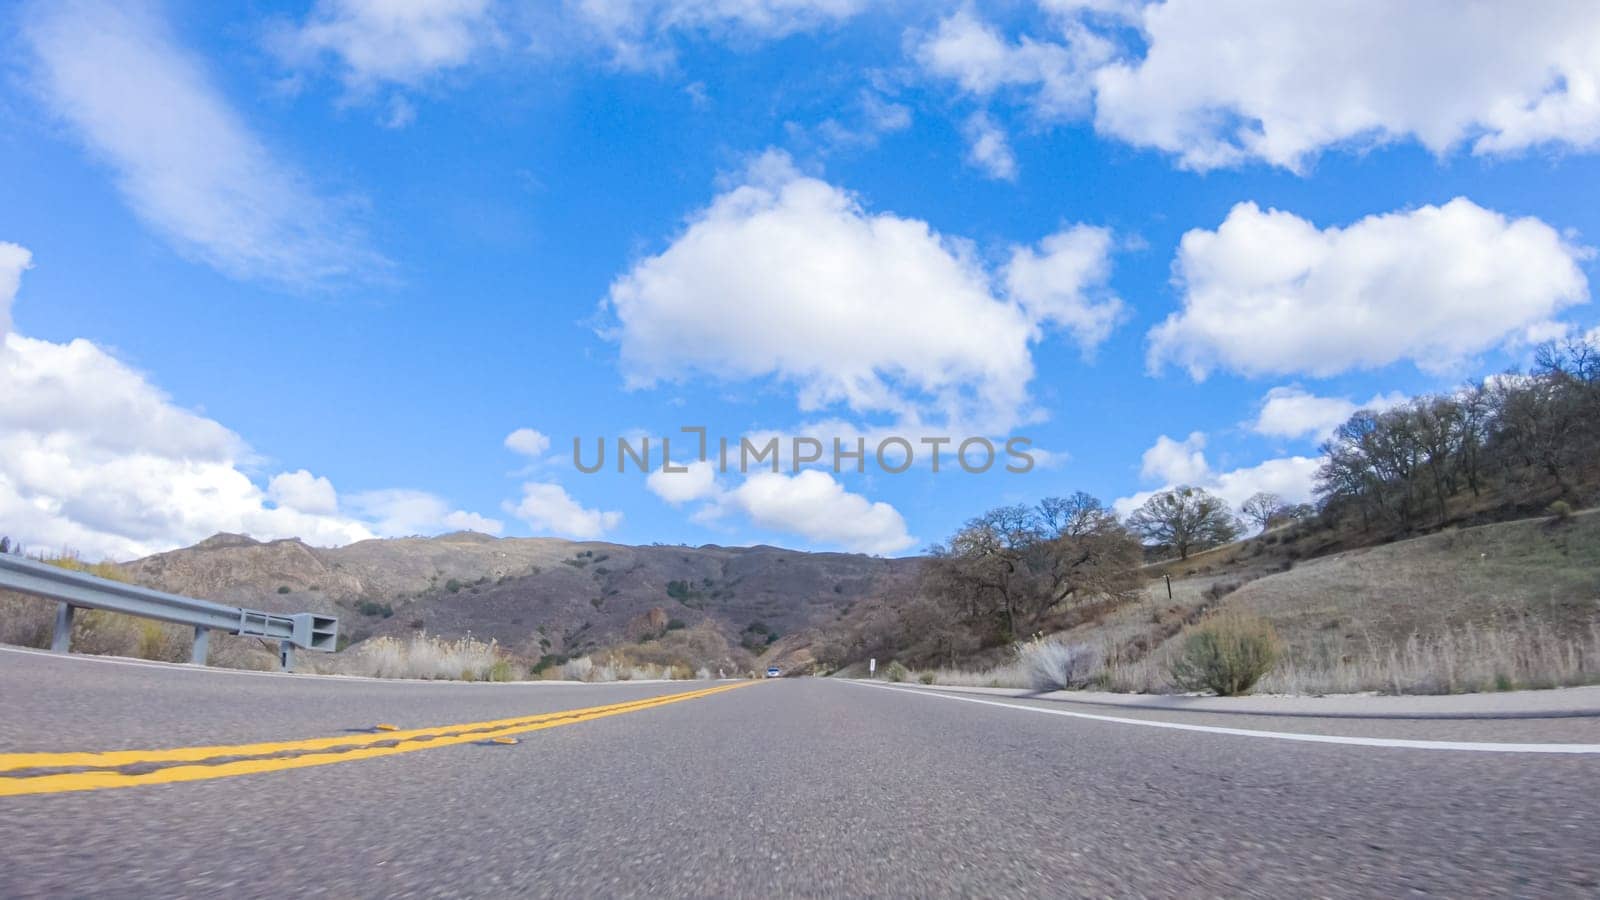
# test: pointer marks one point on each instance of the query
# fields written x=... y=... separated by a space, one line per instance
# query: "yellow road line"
x=427 y=739
x=118 y=758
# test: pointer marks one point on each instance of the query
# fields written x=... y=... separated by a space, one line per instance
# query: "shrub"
x=1227 y=653
x=423 y=656
x=1562 y=510
x=895 y=672
x=283 y=589
x=1052 y=666
x=926 y=678
x=502 y=670
x=580 y=669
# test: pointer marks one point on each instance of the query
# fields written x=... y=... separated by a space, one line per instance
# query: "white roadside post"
x=872 y=666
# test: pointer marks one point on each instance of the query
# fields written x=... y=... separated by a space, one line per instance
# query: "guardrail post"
x=202 y=644
x=286 y=656
x=61 y=641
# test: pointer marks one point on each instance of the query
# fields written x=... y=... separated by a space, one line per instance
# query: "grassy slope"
x=1503 y=605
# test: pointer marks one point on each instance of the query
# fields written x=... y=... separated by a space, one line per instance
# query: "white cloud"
x=547 y=507
x=528 y=442
x=94 y=458
x=399 y=511
x=988 y=149
x=1177 y=463
x=1055 y=76
x=810 y=504
x=699 y=482
x=1291 y=477
x=816 y=507
x=303 y=491
x=1270 y=293
x=638 y=32
x=1293 y=412
x=1064 y=281
x=185 y=162
x=788 y=277
x=1224 y=82
x=378 y=41
x=14 y=260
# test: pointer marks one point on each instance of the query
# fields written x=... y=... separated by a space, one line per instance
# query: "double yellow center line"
x=34 y=773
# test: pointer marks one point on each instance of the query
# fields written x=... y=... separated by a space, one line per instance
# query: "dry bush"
x=1051 y=666
x=896 y=672
x=26 y=621
x=30 y=621
x=1227 y=653
x=423 y=656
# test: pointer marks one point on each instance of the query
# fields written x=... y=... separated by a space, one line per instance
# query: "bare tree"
x=1263 y=507
x=1185 y=519
x=1012 y=565
x=1074 y=516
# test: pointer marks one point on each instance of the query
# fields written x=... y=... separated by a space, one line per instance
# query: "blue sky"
x=321 y=259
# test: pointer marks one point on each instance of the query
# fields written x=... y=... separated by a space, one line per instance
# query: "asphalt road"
x=786 y=788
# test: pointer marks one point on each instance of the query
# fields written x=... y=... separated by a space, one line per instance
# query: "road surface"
x=802 y=787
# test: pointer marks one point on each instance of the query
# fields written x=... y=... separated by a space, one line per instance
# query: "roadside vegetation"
x=1386 y=583
x=1451 y=547
x=27 y=621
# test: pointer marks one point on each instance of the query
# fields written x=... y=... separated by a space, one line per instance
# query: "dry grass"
x=1503 y=657
x=1513 y=605
x=423 y=656
x=29 y=621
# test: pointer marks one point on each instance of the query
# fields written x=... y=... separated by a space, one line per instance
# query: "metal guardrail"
x=80 y=590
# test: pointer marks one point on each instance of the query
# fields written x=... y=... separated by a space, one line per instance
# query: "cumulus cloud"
x=303 y=491
x=1225 y=83
x=698 y=482
x=94 y=458
x=1175 y=463
x=1268 y=292
x=528 y=442
x=1065 y=280
x=988 y=149
x=1055 y=75
x=816 y=507
x=400 y=511
x=787 y=277
x=548 y=508
x=1293 y=412
x=14 y=260
x=1501 y=79
x=376 y=41
x=810 y=504
x=185 y=162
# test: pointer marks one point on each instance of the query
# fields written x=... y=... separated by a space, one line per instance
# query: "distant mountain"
x=536 y=596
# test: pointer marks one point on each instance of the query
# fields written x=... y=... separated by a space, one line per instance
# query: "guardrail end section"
x=315 y=632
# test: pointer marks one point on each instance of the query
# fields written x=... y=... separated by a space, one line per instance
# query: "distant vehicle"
x=773 y=672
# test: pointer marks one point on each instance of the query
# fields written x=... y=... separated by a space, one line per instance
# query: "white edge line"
x=1400 y=743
